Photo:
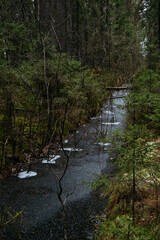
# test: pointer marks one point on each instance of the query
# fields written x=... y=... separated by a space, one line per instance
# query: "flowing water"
x=37 y=196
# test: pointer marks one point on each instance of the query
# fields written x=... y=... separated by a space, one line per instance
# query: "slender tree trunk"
x=37 y=10
x=159 y=22
x=157 y=202
x=108 y=30
x=47 y=85
x=14 y=134
x=134 y=173
x=62 y=28
x=65 y=26
x=133 y=189
x=77 y=28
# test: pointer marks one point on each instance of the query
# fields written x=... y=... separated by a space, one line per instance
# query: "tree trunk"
x=77 y=28
x=159 y=23
x=108 y=39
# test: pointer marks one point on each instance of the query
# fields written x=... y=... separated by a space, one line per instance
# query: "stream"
x=42 y=217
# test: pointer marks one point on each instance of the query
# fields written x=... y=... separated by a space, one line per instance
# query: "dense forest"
x=57 y=59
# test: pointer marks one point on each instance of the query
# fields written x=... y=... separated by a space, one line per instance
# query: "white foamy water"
x=26 y=174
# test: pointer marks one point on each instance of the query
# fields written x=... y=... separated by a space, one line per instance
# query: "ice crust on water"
x=103 y=144
x=111 y=123
x=26 y=174
x=52 y=160
x=71 y=149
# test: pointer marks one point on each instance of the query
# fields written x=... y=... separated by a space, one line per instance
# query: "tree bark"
x=77 y=29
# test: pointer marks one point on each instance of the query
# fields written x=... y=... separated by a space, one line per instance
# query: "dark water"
x=37 y=196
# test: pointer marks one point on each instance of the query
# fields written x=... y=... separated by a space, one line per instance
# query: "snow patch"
x=111 y=123
x=93 y=118
x=109 y=112
x=26 y=174
x=52 y=160
x=103 y=144
x=151 y=143
x=71 y=149
x=66 y=141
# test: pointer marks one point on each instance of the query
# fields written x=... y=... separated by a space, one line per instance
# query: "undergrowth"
x=133 y=194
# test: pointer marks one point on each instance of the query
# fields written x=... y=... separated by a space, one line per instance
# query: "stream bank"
x=37 y=196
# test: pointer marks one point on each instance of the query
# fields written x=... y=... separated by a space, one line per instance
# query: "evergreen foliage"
x=24 y=103
x=133 y=194
x=56 y=60
x=45 y=47
x=133 y=204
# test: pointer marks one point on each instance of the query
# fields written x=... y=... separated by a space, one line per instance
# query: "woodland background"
x=57 y=59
